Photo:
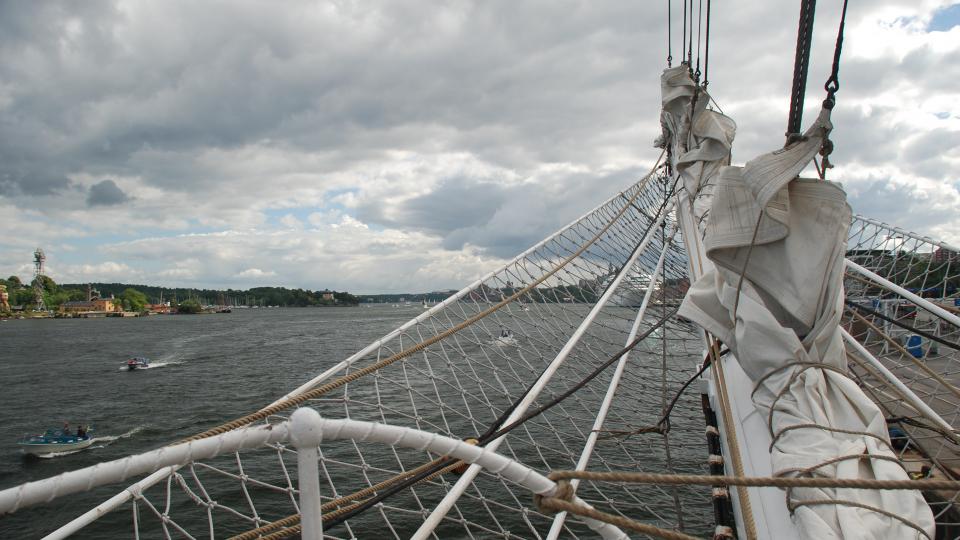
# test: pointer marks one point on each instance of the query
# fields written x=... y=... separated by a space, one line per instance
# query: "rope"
x=793 y=506
x=442 y=465
x=742 y=495
x=706 y=55
x=295 y=518
x=833 y=82
x=755 y=481
x=561 y=503
x=904 y=325
x=665 y=418
x=319 y=391
x=800 y=65
x=925 y=368
x=951 y=436
x=696 y=73
x=670 y=33
x=690 y=38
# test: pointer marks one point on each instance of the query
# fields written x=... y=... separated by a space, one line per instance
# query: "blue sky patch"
x=945 y=19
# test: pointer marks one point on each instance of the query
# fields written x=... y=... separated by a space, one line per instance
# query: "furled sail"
x=774 y=296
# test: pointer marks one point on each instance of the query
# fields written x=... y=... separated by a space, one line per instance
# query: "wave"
x=106 y=440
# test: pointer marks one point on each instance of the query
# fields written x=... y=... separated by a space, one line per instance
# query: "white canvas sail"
x=775 y=297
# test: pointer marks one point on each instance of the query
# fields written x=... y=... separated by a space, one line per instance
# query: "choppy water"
x=206 y=369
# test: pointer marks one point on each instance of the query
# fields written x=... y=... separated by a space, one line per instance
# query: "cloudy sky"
x=410 y=146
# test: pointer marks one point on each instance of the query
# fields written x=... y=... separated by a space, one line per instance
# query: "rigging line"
x=903 y=325
x=706 y=56
x=699 y=28
x=670 y=32
x=483 y=441
x=683 y=38
x=690 y=38
x=906 y=354
x=922 y=425
x=833 y=82
x=800 y=65
x=669 y=409
x=346 y=379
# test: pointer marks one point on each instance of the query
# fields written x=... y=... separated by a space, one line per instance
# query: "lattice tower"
x=38 y=260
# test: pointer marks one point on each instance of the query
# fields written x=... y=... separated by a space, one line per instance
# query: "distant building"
x=327 y=295
x=97 y=305
x=162 y=308
x=945 y=255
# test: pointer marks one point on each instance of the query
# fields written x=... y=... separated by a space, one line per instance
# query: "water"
x=206 y=369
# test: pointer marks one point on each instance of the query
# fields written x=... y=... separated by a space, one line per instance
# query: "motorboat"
x=55 y=441
x=138 y=362
x=505 y=338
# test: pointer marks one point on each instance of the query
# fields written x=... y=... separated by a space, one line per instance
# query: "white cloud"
x=255 y=273
x=234 y=139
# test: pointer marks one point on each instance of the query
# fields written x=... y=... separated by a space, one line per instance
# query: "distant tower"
x=38 y=258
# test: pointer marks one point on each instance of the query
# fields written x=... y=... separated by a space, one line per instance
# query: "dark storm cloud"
x=172 y=94
x=500 y=219
x=106 y=193
x=100 y=85
x=455 y=204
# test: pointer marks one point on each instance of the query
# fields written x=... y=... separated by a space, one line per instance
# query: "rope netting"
x=580 y=296
x=465 y=384
x=914 y=341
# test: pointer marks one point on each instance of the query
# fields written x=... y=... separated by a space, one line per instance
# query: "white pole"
x=433 y=520
x=558 y=520
x=306 y=435
x=430 y=312
x=110 y=504
x=915 y=401
x=893 y=287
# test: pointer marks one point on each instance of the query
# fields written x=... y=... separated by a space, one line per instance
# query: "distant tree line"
x=136 y=297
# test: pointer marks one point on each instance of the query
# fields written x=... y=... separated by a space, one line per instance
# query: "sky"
x=413 y=146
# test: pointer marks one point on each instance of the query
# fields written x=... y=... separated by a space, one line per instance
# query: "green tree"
x=133 y=300
x=22 y=297
x=189 y=306
x=49 y=285
x=14 y=282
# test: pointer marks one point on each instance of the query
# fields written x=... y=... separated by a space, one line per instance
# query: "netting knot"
x=544 y=503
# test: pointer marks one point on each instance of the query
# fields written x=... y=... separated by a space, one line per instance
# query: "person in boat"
x=81 y=432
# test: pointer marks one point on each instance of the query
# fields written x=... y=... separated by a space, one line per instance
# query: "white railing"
x=305 y=431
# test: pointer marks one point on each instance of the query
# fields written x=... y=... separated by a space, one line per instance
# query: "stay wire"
x=492 y=433
x=670 y=33
x=361 y=507
x=903 y=325
x=696 y=73
x=683 y=38
x=690 y=39
x=833 y=82
x=665 y=417
x=706 y=56
x=800 y=65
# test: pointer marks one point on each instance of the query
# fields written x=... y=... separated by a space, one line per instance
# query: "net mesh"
x=462 y=384
x=903 y=336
